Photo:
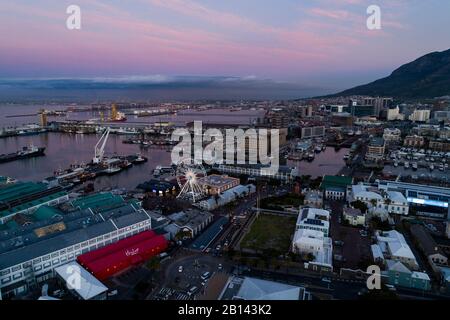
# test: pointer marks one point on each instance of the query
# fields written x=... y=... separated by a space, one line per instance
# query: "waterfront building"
x=312 y=132
x=29 y=255
x=190 y=222
x=216 y=184
x=27 y=197
x=226 y=197
x=344 y=119
x=284 y=172
x=335 y=187
x=376 y=149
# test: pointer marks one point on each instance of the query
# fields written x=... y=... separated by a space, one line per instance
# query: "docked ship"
x=26 y=152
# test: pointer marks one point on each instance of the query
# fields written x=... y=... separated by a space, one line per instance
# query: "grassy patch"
x=270 y=233
x=277 y=203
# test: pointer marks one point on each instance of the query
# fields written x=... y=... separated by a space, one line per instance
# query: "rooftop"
x=256 y=289
x=48 y=236
x=216 y=180
x=336 y=181
x=88 y=288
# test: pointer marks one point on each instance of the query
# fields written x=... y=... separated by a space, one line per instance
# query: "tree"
x=310 y=257
x=358 y=204
x=153 y=263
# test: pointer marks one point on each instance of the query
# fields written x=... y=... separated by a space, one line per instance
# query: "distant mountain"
x=426 y=77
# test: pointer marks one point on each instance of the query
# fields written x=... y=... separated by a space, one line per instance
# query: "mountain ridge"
x=426 y=77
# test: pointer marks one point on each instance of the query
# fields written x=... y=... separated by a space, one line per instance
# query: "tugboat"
x=140 y=159
x=26 y=152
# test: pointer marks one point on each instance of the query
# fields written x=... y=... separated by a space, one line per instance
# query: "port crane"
x=100 y=151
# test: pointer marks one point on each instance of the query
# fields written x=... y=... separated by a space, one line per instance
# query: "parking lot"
x=351 y=245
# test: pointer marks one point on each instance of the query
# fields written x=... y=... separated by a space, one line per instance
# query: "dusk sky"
x=323 y=42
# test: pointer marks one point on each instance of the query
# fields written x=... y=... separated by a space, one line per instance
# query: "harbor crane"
x=100 y=151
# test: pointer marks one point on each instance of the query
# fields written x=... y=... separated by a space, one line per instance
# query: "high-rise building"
x=420 y=116
x=42 y=118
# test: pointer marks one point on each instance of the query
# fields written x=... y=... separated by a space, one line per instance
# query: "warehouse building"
x=27 y=197
x=29 y=255
x=216 y=184
x=191 y=222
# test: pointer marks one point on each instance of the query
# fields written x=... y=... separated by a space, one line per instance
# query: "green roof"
x=20 y=189
x=336 y=182
x=99 y=201
x=45 y=213
x=30 y=204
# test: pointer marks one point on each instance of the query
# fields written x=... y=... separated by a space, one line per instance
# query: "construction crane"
x=99 y=152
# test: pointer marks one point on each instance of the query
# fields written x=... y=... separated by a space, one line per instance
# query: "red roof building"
x=111 y=259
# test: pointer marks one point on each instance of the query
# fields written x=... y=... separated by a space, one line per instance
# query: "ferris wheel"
x=188 y=178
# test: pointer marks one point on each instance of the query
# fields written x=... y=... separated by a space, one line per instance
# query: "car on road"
x=220 y=267
x=180 y=269
x=325 y=279
x=192 y=291
x=206 y=275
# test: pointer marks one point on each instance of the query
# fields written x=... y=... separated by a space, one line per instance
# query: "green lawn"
x=270 y=232
x=286 y=200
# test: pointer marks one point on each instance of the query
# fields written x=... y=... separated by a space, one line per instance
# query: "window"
x=4 y=273
x=16 y=268
x=17 y=276
x=37 y=268
x=54 y=255
x=47 y=257
x=6 y=280
x=47 y=265
x=37 y=260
